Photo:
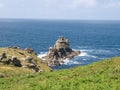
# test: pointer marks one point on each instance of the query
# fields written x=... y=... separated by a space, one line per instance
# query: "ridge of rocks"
x=59 y=52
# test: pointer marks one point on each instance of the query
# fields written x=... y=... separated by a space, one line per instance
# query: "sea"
x=96 y=39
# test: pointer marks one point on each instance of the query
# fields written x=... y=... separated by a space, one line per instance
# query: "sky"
x=61 y=9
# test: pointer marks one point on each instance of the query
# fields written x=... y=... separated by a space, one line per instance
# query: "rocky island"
x=59 y=52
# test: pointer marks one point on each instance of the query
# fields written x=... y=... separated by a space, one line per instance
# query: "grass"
x=21 y=55
x=11 y=71
x=102 y=75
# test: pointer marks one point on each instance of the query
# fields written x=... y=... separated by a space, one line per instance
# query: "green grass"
x=103 y=75
x=11 y=71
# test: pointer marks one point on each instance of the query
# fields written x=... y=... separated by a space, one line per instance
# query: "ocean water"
x=96 y=40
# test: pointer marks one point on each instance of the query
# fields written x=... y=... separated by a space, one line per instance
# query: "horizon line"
x=60 y=19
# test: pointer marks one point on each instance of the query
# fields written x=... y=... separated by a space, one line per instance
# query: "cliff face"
x=60 y=51
x=27 y=58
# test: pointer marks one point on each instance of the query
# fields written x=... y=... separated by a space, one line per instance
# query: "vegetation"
x=103 y=75
x=24 y=58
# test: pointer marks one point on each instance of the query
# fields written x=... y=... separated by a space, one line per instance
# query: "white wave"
x=96 y=51
x=42 y=54
x=83 y=54
x=75 y=60
x=70 y=62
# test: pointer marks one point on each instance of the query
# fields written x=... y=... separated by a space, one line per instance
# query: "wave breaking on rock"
x=59 y=52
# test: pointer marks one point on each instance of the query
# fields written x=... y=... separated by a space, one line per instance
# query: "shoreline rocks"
x=59 y=52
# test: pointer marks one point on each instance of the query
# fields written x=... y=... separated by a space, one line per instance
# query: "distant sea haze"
x=96 y=40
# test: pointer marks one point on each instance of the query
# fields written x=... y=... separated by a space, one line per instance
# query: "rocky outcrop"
x=29 y=50
x=27 y=58
x=59 y=52
x=15 y=61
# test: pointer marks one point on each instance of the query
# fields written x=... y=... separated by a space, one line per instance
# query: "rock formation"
x=59 y=52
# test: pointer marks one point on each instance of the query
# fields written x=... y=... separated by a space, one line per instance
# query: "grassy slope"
x=20 y=54
x=10 y=71
x=103 y=75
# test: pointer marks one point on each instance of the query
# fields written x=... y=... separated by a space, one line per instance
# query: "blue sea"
x=96 y=40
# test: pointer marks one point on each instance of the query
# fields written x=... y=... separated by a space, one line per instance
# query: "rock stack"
x=59 y=52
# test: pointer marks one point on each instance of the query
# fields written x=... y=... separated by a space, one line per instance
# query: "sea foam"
x=84 y=55
x=42 y=54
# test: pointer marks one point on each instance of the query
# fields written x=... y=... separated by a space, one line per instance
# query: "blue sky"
x=61 y=9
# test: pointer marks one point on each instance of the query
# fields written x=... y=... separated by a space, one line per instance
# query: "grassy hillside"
x=103 y=75
x=10 y=71
x=27 y=58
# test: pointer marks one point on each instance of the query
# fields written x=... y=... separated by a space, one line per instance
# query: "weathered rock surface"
x=26 y=58
x=15 y=61
x=60 y=51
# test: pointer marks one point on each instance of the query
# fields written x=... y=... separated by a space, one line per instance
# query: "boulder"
x=29 y=59
x=2 y=56
x=16 y=62
x=60 y=51
x=29 y=50
x=14 y=47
